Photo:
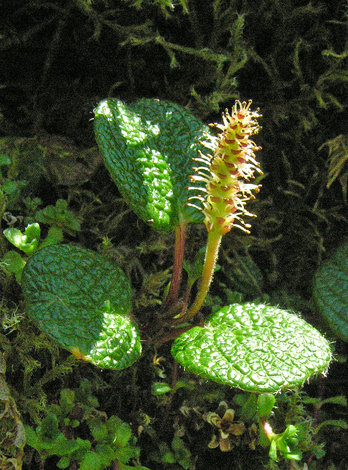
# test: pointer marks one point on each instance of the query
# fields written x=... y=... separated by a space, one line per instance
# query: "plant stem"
x=185 y=299
x=173 y=294
x=214 y=240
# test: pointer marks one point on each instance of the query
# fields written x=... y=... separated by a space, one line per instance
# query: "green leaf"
x=59 y=215
x=248 y=403
x=160 y=388
x=273 y=451
x=137 y=467
x=98 y=429
x=168 y=458
x=5 y=160
x=63 y=446
x=82 y=301
x=84 y=446
x=122 y=466
x=124 y=454
x=64 y=462
x=265 y=404
x=257 y=348
x=106 y=452
x=13 y=263
x=67 y=400
x=332 y=422
x=286 y=443
x=49 y=427
x=26 y=242
x=148 y=148
x=339 y=400
x=92 y=461
x=182 y=455
x=122 y=435
x=318 y=403
x=331 y=292
x=54 y=237
x=32 y=438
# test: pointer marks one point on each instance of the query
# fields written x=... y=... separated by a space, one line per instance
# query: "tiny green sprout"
x=284 y=443
x=27 y=242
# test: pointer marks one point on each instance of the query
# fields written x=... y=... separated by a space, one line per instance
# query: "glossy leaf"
x=82 y=301
x=257 y=348
x=148 y=148
x=331 y=292
x=26 y=242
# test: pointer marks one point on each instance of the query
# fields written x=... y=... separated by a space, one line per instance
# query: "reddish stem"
x=170 y=335
x=115 y=465
x=186 y=299
x=173 y=294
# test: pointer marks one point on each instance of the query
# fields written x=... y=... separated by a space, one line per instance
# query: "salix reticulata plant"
x=172 y=171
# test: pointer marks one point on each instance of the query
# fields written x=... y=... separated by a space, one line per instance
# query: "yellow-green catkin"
x=227 y=171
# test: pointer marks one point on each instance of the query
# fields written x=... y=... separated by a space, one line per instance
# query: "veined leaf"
x=148 y=148
x=257 y=348
x=82 y=301
x=331 y=292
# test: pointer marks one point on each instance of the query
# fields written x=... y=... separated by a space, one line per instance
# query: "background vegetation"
x=58 y=59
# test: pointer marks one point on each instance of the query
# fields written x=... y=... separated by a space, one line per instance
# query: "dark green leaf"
x=331 y=292
x=256 y=348
x=49 y=427
x=32 y=438
x=82 y=301
x=148 y=149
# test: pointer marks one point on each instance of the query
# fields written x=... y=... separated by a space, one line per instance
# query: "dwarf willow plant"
x=153 y=150
x=172 y=171
x=83 y=301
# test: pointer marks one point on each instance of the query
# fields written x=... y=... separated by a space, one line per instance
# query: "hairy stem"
x=173 y=294
x=214 y=240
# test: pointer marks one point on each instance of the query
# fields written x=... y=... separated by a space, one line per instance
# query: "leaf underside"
x=257 y=348
x=331 y=292
x=148 y=148
x=82 y=300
